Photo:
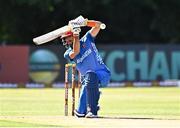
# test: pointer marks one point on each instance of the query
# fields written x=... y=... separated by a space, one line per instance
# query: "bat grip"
x=93 y=24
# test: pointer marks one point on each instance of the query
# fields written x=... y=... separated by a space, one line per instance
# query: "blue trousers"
x=89 y=95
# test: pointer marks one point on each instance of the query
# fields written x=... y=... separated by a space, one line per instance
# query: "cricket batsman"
x=89 y=63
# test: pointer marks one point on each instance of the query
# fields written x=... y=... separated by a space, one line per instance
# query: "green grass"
x=20 y=107
x=7 y=123
x=154 y=102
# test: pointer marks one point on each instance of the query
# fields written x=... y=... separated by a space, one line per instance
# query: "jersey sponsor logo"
x=98 y=57
x=86 y=54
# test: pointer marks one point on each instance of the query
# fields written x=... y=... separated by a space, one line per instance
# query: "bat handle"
x=93 y=24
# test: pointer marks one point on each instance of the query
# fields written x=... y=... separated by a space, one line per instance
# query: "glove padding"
x=76 y=24
x=79 y=21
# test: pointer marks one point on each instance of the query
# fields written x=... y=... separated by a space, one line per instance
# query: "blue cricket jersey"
x=89 y=60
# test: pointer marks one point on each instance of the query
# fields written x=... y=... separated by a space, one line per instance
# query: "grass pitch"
x=120 y=107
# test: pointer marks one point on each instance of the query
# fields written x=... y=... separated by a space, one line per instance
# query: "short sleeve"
x=88 y=36
x=66 y=54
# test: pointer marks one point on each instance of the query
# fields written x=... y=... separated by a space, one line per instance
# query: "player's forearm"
x=76 y=47
x=95 y=30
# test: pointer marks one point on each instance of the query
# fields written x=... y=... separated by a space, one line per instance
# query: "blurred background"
x=141 y=44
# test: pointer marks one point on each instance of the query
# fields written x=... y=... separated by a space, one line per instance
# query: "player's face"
x=69 y=40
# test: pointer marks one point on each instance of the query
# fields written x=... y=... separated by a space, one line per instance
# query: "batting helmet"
x=67 y=34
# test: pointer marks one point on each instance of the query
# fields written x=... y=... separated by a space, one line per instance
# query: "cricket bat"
x=59 y=32
x=51 y=35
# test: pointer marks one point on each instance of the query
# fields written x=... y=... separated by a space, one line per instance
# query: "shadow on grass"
x=133 y=118
x=8 y=123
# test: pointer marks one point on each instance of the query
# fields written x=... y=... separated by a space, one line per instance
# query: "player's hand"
x=76 y=31
x=75 y=28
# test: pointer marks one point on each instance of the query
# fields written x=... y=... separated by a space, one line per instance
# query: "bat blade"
x=51 y=35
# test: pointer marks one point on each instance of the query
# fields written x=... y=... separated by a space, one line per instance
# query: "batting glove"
x=76 y=31
x=81 y=21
